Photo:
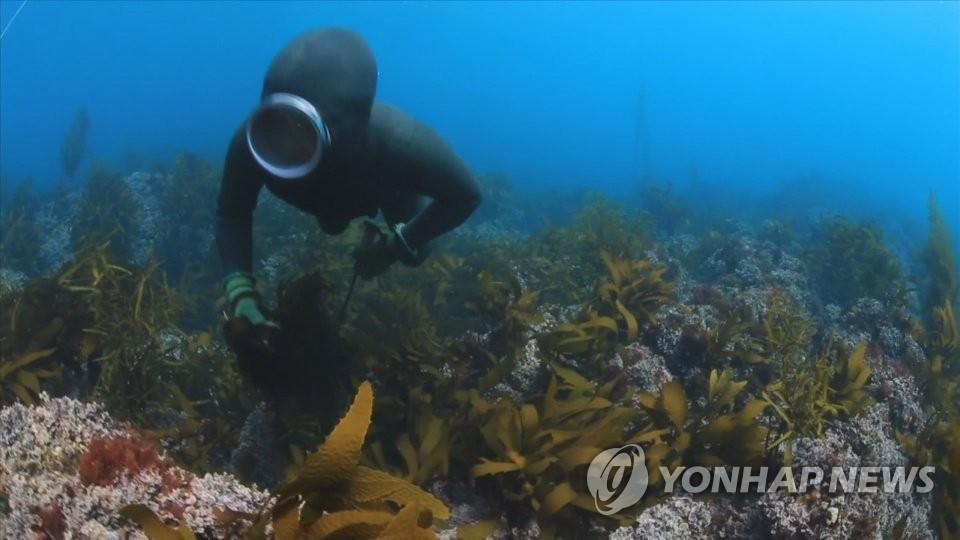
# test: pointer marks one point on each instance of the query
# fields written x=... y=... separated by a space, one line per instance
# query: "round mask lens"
x=284 y=140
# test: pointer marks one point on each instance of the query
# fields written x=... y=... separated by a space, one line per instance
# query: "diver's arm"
x=426 y=164
x=239 y=189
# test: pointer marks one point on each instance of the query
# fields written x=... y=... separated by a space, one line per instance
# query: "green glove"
x=248 y=309
x=243 y=299
x=248 y=333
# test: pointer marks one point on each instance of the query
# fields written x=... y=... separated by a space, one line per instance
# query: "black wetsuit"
x=397 y=165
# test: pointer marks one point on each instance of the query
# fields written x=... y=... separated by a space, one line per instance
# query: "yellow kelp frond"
x=787 y=330
x=332 y=495
x=732 y=339
x=638 y=286
x=42 y=333
x=625 y=301
x=336 y=460
x=107 y=209
x=411 y=523
x=537 y=453
x=153 y=526
x=940 y=263
x=19 y=378
x=425 y=451
x=715 y=435
x=723 y=390
x=938 y=445
x=945 y=339
x=508 y=309
x=806 y=396
x=847 y=390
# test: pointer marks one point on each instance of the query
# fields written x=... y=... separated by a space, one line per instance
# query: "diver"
x=321 y=142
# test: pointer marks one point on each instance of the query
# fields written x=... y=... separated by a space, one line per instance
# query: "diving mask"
x=287 y=136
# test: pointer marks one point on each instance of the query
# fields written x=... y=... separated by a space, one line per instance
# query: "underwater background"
x=726 y=231
x=858 y=99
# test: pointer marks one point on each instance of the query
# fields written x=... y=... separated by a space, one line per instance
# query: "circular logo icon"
x=617 y=478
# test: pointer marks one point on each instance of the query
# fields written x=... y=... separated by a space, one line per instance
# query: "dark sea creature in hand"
x=257 y=352
x=301 y=362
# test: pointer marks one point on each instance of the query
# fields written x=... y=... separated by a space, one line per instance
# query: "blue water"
x=864 y=97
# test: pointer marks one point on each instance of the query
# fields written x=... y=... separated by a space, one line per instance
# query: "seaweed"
x=604 y=225
x=153 y=526
x=536 y=453
x=186 y=203
x=670 y=212
x=510 y=310
x=106 y=211
x=425 y=375
x=569 y=254
x=787 y=331
x=131 y=309
x=942 y=370
x=938 y=258
x=638 y=287
x=333 y=493
x=440 y=339
x=714 y=435
x=423 y=412
x=938 y=445
x=806 y=397
x=425 y=450
x=732 y=340
x=20 y=233
x=42 y=339
x=622 y=304
x=330 y=495
x=850 y=260
x=21 y=379
x=208 y=430
x=110 y=461
x=303 y=364
x=108 y=332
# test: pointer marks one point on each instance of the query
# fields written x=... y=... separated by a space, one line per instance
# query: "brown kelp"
x=536 y=453
x=504 y=362
x=850 y=260
x=331 y=495
x=807 y=395
x=939 y=261
x=105 y=211
x=714 y=435
x=937 y=443
x=45 y=340
x=622 y=303
x=20 y=232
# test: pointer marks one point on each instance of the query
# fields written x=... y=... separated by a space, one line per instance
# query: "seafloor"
x=466 y=397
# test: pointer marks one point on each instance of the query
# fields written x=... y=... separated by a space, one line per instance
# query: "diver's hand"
x=242 y=296
x=372 y=260
x=250 y=310
x=248 y=332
